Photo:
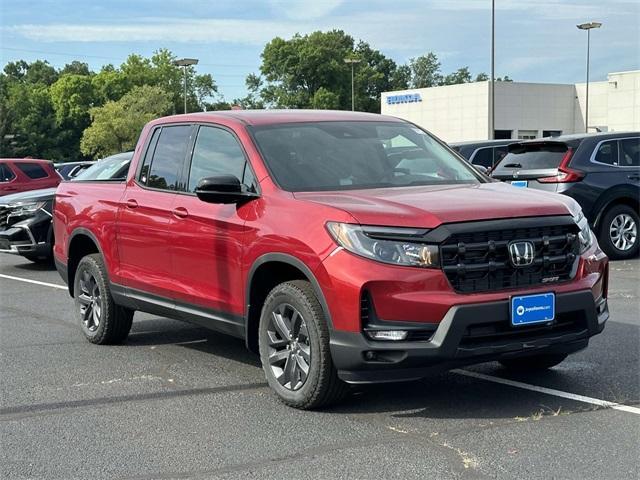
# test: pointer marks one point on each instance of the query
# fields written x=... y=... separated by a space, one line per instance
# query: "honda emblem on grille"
x=521 y=253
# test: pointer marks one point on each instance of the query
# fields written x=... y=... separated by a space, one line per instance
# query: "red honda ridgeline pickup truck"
x=342 y=247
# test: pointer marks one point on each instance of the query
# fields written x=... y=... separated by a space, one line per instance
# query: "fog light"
x=393 y=335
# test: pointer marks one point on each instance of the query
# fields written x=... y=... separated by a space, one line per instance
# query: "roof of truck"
x=266 y=117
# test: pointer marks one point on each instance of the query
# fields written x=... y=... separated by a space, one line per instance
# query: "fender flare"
x=294 y=262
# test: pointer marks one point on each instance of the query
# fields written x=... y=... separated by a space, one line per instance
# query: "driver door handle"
x=180 y=212
x=131 y=203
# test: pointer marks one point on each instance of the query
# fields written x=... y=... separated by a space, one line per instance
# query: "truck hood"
x=39 y=195
x=430 y=206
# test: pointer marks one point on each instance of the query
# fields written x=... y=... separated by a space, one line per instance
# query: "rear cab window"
x=32 y=170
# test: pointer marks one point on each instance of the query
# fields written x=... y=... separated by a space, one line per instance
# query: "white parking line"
x=26 y=280
x=467 y=373
x=550 y=391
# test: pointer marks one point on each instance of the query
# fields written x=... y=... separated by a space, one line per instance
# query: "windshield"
x=110 y=168
x=532 y=157
x=349 y=155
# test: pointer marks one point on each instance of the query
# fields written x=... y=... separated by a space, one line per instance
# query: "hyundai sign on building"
x=522 y=110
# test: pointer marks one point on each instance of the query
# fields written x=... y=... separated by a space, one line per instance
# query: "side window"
x=168 y=157
x=499 y=153
x=217 y=152
x=144 y=171
x=630 y=152
x=32 y=170
x=484 y=157
x=607 y=153
x=6 y=175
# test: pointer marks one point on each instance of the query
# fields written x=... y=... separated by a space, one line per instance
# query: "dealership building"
x=522 y=110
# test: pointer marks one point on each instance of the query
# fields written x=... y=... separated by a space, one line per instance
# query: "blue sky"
x=536 y=40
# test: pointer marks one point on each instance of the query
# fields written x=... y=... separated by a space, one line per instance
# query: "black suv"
x=25 y=218
x=486 y=153
x=600 y=171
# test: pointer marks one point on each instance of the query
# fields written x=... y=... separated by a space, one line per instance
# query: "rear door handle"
x=633 y=177
x=131 y=203
x=180 y=212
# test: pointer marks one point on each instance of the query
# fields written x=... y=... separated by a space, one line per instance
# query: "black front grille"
x=479 y=261
x=492 y=333
x=4 y=217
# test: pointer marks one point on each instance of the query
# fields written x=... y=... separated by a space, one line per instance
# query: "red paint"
x=23 y=183
x=179 y=247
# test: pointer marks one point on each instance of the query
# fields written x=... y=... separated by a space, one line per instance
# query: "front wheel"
x=619 y=232
x=102 y=321
x=294 y=348
x=533 y=363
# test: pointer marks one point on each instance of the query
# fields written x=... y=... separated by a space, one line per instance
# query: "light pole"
x=184 y=63
x=353 y=62
x=588 y=26
x=492 y=115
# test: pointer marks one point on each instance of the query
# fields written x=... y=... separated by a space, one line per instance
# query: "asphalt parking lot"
x=177 y=401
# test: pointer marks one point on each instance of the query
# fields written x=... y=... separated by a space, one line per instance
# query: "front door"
x=208 y=238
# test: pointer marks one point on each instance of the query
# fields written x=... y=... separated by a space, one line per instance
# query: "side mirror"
x=482 y=169
x=222 y=189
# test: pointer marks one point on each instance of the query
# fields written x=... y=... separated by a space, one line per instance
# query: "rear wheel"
x=534 y=362
x=619 y=232
x=294 y=348
x=102 y=321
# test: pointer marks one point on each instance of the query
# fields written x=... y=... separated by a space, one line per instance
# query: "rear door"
x=533 y=164
x=145 y=211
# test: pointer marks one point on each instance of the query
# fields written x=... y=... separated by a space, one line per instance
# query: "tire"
x=533 y=363
x=293 y=307
x=619 y=219
x=102 y=321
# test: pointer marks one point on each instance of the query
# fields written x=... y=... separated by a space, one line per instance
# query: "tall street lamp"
x=184 y=63
x=588 y=27
x=492 y=115
x=353 y=62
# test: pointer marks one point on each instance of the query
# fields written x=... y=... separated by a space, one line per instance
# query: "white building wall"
x=614 y=105
x=450 y=112
x=534 y=107
x=460 y=112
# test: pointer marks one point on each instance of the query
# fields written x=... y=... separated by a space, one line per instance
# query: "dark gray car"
x=600 y=171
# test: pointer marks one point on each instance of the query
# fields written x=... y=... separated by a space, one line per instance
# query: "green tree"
x=76 y=68
x=117 y=124
x=462 y=75
x=323 y=99
x=294 y=70
x=425 y=71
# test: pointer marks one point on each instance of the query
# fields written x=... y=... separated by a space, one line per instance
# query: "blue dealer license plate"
x=530 y=309
x=520 y=183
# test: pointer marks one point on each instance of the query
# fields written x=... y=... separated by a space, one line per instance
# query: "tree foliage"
x=116 y=125
x=44 y=111
x=73 y=113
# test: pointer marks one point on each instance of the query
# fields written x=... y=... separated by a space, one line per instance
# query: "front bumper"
x=30 y=237
x=468 y=334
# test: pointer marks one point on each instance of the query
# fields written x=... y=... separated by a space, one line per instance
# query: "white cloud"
x=305 y=9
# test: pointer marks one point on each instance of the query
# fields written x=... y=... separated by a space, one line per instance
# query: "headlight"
x=585 y=235
x=396 y=246
x=25 y=209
